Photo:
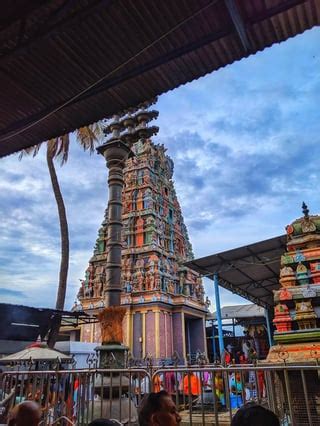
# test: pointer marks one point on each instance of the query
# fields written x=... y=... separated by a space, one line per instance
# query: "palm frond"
x=59 y=148
x=89 y=136
x=32 y=150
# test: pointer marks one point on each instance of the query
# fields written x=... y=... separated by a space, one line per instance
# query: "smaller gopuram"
x=297 y=302
x=164 y=300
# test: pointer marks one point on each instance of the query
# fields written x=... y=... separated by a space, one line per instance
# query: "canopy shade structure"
x=36 y=353
x=27 y=324
x=239 y=312
x=251 y=271
x=65 y=64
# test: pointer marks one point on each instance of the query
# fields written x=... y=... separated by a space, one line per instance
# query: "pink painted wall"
x=150 y=333
x=169 y=336
x=163 y=336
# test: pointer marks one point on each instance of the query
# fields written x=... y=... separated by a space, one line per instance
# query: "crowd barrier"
x=206 y=395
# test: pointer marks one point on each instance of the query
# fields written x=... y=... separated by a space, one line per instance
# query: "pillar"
x=268 y=322
x=218 y=310
x=116 y=153
x=157 y=333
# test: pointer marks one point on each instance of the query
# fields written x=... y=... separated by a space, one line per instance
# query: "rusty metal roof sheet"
x=66 y=63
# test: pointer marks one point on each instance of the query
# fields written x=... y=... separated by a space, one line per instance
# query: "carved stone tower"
x=164 y=300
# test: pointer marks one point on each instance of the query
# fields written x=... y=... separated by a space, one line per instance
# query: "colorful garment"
x=169 y=381
x=195 y=384
x=157 y=383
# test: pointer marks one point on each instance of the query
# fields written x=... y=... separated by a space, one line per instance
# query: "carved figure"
x=207 y=303
x=285 y=294
x=315 y=271
x=305 y=315
x=282 y=319
x=302 y=274
x=170 y=287
x=287 y=277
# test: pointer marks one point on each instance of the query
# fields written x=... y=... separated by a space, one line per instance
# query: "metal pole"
x=266 y=314
x=218 y=310
x=213 y=342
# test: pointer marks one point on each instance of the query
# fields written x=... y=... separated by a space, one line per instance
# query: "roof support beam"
x=238 y=24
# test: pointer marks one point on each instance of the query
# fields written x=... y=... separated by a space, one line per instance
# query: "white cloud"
x=245 y=145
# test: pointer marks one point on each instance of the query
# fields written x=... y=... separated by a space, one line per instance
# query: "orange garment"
x=194 y=384
x=156 y=383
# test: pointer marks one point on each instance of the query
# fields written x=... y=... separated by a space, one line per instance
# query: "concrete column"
x=157 y=333
x=165 y=334
x=143 y=334
x=116 y=153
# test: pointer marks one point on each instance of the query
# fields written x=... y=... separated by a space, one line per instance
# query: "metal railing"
x=207 y=394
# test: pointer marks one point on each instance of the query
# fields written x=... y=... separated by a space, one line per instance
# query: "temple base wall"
x=159 y=332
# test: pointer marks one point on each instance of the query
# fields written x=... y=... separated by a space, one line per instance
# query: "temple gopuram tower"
x=297 y=322
x=297 y=305
x=164 y=300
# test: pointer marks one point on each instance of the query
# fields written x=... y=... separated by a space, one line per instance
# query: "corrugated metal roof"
x=65 y=64
x=251 y=271
x=239 y=312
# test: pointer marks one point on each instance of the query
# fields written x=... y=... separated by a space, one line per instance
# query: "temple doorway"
x=194 y=336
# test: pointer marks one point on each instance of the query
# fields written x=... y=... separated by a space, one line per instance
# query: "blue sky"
x=245 y=142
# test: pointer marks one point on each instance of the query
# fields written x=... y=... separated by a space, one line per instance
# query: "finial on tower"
x=305 y=210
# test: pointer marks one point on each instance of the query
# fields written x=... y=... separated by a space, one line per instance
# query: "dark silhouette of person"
x=27 y=413
x=252 y=414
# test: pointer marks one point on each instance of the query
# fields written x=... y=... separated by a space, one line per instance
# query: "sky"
x=245 y=143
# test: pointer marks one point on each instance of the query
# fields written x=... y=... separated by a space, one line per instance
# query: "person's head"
x=27 y=413
x=104 y=422
x=252 y=414
x=237 y=376
x=158 y=409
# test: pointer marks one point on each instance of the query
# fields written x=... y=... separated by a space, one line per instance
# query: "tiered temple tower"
x=164 y=300
x=297 y=304
x=296 y=318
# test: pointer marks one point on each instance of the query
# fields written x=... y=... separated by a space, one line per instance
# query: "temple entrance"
x=194 y=336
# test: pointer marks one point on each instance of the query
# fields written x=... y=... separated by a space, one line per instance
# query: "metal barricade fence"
x=78 y=396
x=206 y=395
x=210 y=395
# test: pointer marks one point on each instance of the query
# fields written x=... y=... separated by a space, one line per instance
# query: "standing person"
x=169 y=382
x=226 y=357
x=157 y=383
x=158 y=409
x=195 y=385
x=219 y=388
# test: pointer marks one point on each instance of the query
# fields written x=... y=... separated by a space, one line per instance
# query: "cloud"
x=245 y=142
x=10 y=292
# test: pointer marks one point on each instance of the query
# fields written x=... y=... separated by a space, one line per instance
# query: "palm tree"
x=58 y=149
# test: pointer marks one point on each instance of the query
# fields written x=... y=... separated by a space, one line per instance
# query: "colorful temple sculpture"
x=297 y=320
x=297 y=303
x=164 y=300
